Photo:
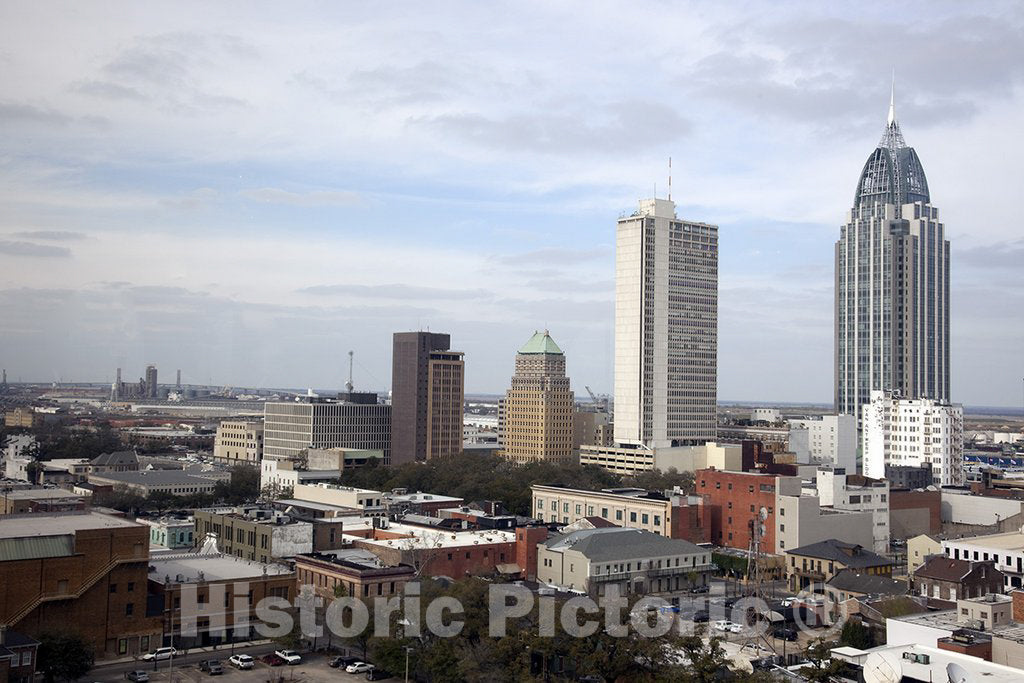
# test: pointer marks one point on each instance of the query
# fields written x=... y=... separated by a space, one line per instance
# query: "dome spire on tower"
x=892 y=99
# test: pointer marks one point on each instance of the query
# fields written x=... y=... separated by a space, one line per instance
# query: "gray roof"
x=157 y=477
x=116 y=458
x=850 y=554
x=603 y=545
x=35 y=547
x=852 y=581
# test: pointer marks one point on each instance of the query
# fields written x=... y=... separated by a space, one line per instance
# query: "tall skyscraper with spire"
x=892 y=283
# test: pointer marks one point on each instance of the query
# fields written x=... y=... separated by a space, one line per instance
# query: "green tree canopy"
x=64 y=656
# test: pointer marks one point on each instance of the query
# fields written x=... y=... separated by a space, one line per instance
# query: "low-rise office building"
x=239 y=441
x=42 y=500
x=174 y=482
x=635 y=561
x=628 y=507
x=351 y=572
x=634 y=459
x=224 y=588
x=254 y=533
x=802 y=520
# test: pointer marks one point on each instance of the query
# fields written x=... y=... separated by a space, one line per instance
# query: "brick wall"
x=527 y=539
x=692 y=522
x=903 y=499
x=734 y=499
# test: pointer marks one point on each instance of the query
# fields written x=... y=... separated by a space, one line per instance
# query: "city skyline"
x=164 y=206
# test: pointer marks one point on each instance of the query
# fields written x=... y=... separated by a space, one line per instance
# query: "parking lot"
x=313 y=668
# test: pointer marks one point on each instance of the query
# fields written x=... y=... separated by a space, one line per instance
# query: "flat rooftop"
x=214 y=567
x=58 y=524
x=1011 y=540
x=41 y=494
x=161 y=477
x=315 y=506
x=425 y=537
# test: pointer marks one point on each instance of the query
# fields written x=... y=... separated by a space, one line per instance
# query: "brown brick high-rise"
x=411 y=396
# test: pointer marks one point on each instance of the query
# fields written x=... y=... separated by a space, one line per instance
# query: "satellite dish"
x=763 y=530
x=882 y=667
x=956 y=673
x=764 y=514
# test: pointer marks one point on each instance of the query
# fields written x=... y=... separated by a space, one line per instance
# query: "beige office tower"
x=445 y=401
x=666 y=328
x=538 y=416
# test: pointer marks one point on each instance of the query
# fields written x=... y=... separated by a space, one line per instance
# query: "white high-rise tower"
x=666 y=328
x=892 y=283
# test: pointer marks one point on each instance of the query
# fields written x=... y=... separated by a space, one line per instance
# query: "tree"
x=823 y=667
x=856 y=634
x=64 y=656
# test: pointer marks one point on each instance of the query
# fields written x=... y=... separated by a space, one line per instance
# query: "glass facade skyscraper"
x=892 y=283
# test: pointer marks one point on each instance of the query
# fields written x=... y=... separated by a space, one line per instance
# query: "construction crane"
x=600 y=403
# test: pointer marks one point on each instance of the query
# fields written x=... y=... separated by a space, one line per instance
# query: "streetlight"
x=407 y=651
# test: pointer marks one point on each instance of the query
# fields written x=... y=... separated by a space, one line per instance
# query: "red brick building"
x=691 y=519
x=85 y=571
x=352 y=572
x=527 y=538
x=18 y=654
x=734 y=500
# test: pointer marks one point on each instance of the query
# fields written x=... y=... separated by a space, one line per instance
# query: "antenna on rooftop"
x=348 y=384
x=670 y=178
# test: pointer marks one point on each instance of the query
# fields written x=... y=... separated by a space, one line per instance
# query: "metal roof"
x=541 y=342
x=35 y=547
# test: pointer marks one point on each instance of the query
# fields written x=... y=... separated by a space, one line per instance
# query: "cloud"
x=274 y=195
x=557 y=256
x=18 y=248
x=618 y=127
x=396 y=291
x=16 y=112
x=108 y=90
x=1000 y=255
x=51 y=235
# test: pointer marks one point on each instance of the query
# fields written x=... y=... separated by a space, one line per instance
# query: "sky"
x=247 y=191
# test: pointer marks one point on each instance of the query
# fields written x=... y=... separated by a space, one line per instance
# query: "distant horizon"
x=327 y=391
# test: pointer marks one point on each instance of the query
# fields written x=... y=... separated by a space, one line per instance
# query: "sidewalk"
x=221 y=650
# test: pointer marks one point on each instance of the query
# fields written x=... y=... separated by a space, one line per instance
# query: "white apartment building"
x=1007 y=550
x=829 y=439
x=666 y=328
x=840 y=491
x=900 y=431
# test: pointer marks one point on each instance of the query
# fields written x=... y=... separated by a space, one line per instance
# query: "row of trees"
x=488 y=477
x=521 y=654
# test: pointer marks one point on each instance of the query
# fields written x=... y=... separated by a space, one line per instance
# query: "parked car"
x=737 y=628
x=272 y=660
x=242 y=661
x=137 y=676
x=376 y=674
x=342 y=661
x=724 y=625
x=358 y=668
x=701 y=616
x=289 y=656
x=211 y=666
x=160 y=654
x=700 y=589
x=789 y=602
x=789 y=634
x=754 y=648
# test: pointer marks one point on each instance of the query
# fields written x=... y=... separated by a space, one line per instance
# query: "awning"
x=508 y=568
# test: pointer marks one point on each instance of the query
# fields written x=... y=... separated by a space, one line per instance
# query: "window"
x=113 y=588
x=604 y=512
x=131 y=586
x=618 y=515
x=644 y=518
x=122 y=646
x=129 y=609
x=144 y=643
x=657 y=520
x=26 y=658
